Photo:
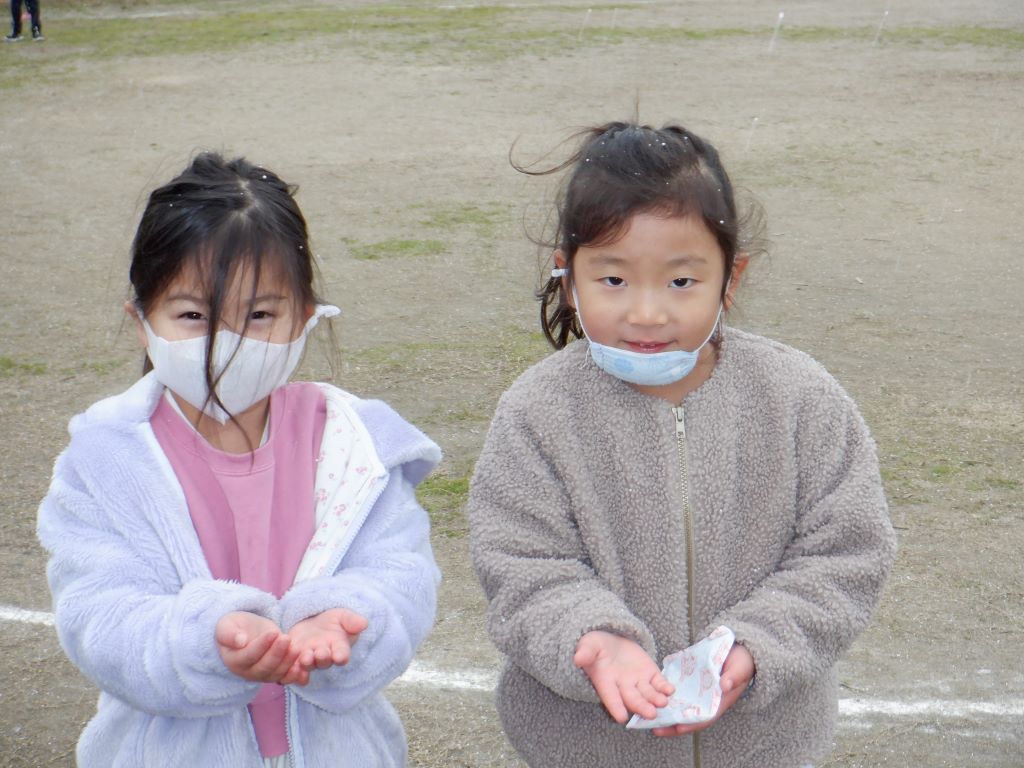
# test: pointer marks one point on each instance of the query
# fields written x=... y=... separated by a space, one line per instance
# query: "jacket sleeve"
x=806 y=613
x=123 y=617
x=530 y=557
x=388 y=576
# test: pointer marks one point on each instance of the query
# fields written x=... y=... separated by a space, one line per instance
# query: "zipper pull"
x=679 y=413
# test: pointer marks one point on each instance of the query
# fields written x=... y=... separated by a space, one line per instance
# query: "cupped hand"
x=253 y=647
x=326 y=640
x=624 y=676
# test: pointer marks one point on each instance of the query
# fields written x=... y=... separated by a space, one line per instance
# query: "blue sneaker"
x=12 y=38
x=37 y=34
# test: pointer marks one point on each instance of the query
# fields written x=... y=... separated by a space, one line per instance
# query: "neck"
x=241 y=435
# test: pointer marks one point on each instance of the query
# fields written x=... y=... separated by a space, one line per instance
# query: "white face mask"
x=252 y=369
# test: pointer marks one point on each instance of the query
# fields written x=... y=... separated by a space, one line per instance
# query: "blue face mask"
x=653 y=369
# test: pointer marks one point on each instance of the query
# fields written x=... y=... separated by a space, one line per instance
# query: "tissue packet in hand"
x=696 y=673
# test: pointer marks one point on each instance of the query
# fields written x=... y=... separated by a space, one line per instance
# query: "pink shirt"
x=254 y=513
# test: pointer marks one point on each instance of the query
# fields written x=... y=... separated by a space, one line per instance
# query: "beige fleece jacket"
x=579 y=521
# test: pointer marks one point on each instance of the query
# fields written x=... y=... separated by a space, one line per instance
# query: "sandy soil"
x=889 y=170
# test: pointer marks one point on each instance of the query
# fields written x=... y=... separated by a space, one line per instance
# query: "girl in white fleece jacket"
x=664 y=477
x=238 y=563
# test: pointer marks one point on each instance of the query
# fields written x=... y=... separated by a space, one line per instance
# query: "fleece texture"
x=136 y=605
x=576 y=523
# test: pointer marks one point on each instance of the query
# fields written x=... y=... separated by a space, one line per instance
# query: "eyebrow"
x=275 y=297
x=186 y=297
x=677 y=261
x=607 y=259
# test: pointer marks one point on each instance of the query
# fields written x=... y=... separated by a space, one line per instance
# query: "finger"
x=729 y=698
x=635 y=702
x=296 y=675
x=739 y=665
x=290 y=659
x=662 y=685
x=227 y=633
x=651 y=694
x=276 y=661
x=232 y=642
x=324 y=657
x=585 y=655
x=353 y=623
x=306 y=658
x=291 y=675
x=340 y=653
x=249 y=654
x=608 y=693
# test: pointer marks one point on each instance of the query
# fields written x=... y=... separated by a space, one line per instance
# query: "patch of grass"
x=491 y=32
x=397 y=247
x=911 y=472
x=1003 y=483
x=994 y=483
x=444 y=498
x=206 y=27
x=520 y=350
x=97 y=367
x=391 y=354
x=461 y=416
x=502 y=351
x=943 y=471
x=991 y=37
x=482 y=218
x=103 y=367
x=11 y=367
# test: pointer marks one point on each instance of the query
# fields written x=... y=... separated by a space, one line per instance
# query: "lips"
x=647 y=347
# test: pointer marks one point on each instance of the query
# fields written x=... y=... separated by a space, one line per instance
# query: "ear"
x=739 y=266
x=561 y=263
x=140 y=332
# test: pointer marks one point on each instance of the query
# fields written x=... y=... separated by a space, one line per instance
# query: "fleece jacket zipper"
x=691 y=590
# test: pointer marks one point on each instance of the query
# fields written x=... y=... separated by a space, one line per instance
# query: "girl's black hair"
x=221 y=216
x=621 y=169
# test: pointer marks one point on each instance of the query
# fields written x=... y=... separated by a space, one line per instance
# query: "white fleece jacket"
x=136 y=604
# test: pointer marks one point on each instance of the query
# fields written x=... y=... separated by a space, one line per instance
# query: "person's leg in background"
x=33 y=12
x=15 y=21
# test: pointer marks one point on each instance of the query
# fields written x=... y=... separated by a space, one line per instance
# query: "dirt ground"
x=884 y=147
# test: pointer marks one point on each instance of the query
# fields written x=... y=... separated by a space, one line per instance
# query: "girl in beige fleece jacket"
x=667 y=475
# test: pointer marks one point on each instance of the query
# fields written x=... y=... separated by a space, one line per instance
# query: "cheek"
x=284 y=330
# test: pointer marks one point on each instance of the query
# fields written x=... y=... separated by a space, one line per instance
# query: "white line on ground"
x=936 y=708
x=422 y=674
x=12 y=613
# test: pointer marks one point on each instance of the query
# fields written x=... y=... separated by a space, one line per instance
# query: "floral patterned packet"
x=696 y=674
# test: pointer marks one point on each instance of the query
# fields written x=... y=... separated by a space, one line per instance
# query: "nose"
x=647 y=309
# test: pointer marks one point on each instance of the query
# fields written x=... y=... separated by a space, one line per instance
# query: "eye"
x=261 y=314
x=191 y=316
x=683 y=282
x=613 y=281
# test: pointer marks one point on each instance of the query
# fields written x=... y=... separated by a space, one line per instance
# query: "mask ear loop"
x=720 y=322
